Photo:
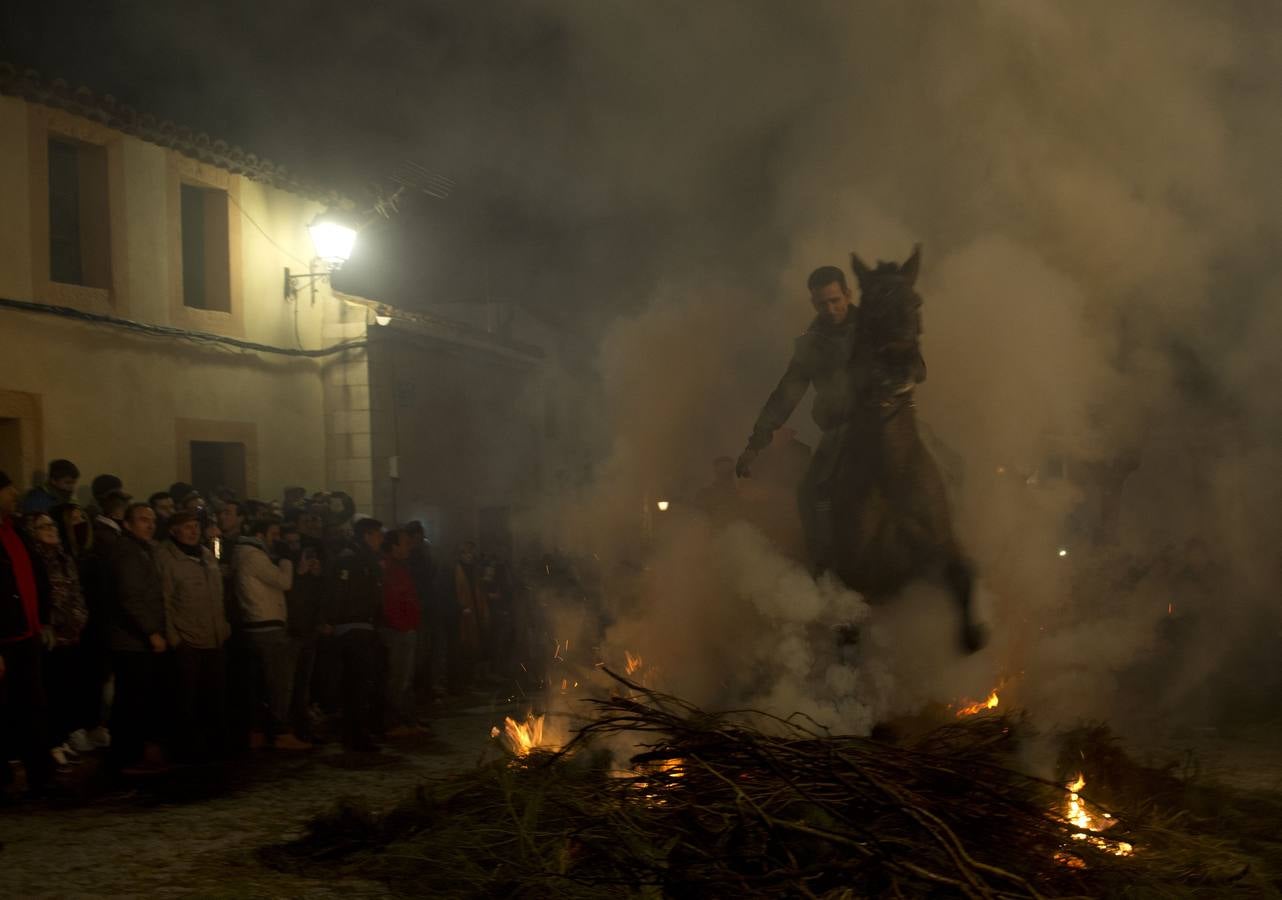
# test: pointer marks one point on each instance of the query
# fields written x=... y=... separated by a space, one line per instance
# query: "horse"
x=892 y=523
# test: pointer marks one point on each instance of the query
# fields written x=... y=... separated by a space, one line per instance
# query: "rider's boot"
x=821 y=538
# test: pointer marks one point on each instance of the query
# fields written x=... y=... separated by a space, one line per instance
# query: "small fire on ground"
x=1079 y=815
x=519 y=738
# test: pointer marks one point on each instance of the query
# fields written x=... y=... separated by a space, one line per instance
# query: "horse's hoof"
x=973 y=638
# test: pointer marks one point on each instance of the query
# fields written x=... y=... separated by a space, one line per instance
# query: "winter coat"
x=356 y=587
x=473 y=606
x=822 y=357
x=193 y=589
x=42 y=499
x=261 y=585
x=16 y=611
x=68 y=613
x=138 y=603
x=306 y=599
x=400 y=599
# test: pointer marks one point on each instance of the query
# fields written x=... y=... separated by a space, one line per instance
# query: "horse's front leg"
x=961 y=581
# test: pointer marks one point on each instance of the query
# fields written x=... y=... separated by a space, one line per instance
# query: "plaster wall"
x=112 y=401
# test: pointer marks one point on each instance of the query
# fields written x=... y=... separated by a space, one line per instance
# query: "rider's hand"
x=743 y=468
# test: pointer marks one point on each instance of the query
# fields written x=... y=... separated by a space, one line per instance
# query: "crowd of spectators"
x=187 y=629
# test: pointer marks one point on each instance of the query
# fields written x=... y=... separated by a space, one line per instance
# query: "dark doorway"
x=11 y=457
x=218 y=464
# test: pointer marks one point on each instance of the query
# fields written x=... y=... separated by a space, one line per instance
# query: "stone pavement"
x=195 y=833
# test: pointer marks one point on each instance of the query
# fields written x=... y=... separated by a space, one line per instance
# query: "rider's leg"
x=814 y=497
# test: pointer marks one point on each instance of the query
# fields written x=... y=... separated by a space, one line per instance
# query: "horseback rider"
x=822 y=358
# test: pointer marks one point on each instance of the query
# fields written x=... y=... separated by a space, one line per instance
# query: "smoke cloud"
x=1096 y=191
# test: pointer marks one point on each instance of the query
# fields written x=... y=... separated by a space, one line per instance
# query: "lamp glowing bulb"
x=382 y=319
x=1063 y=551
x=332 y=238
x=663 y=505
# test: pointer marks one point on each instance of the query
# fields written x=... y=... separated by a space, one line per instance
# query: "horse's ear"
x=862 y=272
x=912 y=265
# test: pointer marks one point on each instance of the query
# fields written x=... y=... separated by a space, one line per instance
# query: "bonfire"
x=748 y=804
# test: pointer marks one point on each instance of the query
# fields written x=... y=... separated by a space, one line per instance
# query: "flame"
x=520 y=737
x=1080 y=816
x=631 y=663
x=971 y=708
x=673 y=768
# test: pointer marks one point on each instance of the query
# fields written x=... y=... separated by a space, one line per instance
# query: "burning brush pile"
x=746 y=804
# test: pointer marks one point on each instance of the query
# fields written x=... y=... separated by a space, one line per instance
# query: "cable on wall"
x=197 y=337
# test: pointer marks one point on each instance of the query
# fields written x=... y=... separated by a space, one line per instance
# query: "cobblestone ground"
x=195 y=833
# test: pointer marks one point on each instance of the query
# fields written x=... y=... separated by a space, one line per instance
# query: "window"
x=206 y=262
x=218 y=464
x=79 y=222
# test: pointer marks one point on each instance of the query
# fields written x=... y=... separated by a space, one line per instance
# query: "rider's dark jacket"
x=820 y=357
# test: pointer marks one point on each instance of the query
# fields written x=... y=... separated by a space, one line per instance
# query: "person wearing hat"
x=24 y=602
x=196 y=630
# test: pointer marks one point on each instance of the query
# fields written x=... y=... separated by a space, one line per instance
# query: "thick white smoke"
x=1096 y=200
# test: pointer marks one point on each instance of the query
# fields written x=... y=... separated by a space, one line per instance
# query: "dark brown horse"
x=892 y=519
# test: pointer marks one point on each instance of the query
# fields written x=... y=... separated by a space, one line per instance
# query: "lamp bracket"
x=292 y=282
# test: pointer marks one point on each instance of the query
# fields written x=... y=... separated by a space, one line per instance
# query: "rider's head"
x=829 y=294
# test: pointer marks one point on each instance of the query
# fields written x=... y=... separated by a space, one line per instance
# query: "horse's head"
x=889 y=306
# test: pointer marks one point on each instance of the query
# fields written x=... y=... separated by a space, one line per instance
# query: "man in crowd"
x=399 y=630
x=108 y=524
x=196 y=630
x=24 y=595
x=356 y=604
x=98 y=580
x=137 y=634
x=304 y=604
x=162 y=502
x=58 y=487
x=229 y=527
x=103 y=485
x=430 y=654
x=230 y=522
x=469 y=657
x=261 y=583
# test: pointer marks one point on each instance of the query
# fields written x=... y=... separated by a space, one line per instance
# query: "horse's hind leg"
x=960 y=578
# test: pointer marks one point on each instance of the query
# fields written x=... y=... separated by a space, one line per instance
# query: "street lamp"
x=333 y=237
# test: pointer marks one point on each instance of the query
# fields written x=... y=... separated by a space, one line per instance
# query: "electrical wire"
x=263 y=232
x=198 y=337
